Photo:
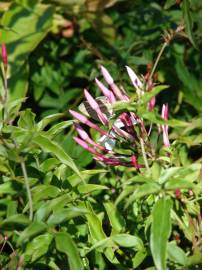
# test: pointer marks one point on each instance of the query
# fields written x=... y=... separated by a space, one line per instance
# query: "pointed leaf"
x=160 y=231
x=49 y=146
x=65 y=244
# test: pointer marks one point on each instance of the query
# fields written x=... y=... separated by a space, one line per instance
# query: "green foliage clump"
x=60 y=209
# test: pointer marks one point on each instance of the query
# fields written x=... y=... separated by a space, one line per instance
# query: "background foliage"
x=58 y=208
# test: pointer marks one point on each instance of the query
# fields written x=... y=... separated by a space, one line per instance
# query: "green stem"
x=157 y=60
x=29 y=195
x=144 y=154
x=5 y=98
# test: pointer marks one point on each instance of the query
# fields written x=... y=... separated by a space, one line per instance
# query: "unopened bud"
x=177 y=193
x=4 y=55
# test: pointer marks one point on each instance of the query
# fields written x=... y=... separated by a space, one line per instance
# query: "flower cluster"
x=127 y=130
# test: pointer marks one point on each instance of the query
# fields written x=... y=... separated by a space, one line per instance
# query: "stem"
x=5 y=240
x=29 y=195
x=5 y=85
x=157 y=60
x=144 y=154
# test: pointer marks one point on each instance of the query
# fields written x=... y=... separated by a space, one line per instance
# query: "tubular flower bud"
x=4 y=55
x=164 y=115
x=95 y=106
x=151 y=104
x=108 y=78
x=109 y=94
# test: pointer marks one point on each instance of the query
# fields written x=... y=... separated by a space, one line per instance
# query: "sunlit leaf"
x=160 y=231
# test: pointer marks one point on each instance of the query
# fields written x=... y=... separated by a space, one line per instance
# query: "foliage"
x=60 y=209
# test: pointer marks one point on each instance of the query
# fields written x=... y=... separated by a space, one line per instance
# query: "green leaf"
x=155 y=91
x=33 y=229
x=116 y=220
x=41 y=192
x=13 y=107
x=167 y=174
x=49 y=119
x=160 y=231
x=178 y=183
x=56 y=129
x=139 y=258
x=26 y=119
x=16 y=219
x=52 y=205
x=188 y=20
x=127 y=240
x=107 y=242
x=97 y=233
x=192 y=86
x=38 y=246
x=87 y=188
x=10 y=187
x=65 y=214
x=169 y=3
x=49 y=146
x=143 y=190
x=95 y=226
x=65 y=244
x=49 y=164
x=194 y=259
x=21 y=40
x=176 y=254
x=86 y=174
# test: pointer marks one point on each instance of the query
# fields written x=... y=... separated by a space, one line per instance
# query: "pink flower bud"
x=134 y=78
x=152 y=103
x=94 y=105
x=87 y=122
x=108 y=78
x=164 y=115
x=177 y=193
x=135 y=81
x=86 y=146
x=86 y=138
x=164 y=112
x=135 y=162
x=4 y=55
x=106 y=91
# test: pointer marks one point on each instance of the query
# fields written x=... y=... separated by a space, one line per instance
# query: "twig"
x=144 y=154
x=29 y=195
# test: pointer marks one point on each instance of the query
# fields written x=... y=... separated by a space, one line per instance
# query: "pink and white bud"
x=4 y=55
x=135 y=81
x=86 y=146
x=164 y=115
x=95 y=106
x=134 y=78
x=151 y=103
x=164 y=112
x=135 y=162
x=87 y=122
x=85 y=137
x=118 y=92
x=106 y=92
x=108 y=78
